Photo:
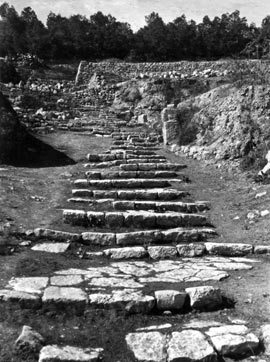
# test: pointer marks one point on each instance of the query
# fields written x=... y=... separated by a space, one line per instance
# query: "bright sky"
x=134 y=11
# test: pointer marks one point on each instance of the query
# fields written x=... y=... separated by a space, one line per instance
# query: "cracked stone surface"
x=181 y=348
x=148 y=347
x=107 y=284
x=51 y=247
x=233 y=340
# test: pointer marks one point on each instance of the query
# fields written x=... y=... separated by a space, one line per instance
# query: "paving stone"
x=147 y=347
x=233 y=340
x=126 y=253
x=229 y=249
x=116 y=281
x=54 y=353
x=170 y=299
x=204 y=298
x=265 y=330
x=162 y=252
x=56 y=235
x=103 y=239
x=33 y=285
x=62 y=297
x=131 y=301
x=190 y=345
x=66 y=280
x=51 y=247
x=24 y=300
x=139 y=238
x=191 y=250
x=29 y=341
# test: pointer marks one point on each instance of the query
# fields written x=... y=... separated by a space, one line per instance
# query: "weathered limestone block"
x=147 y=347
x=191 y=250
x=233 y=341
x=139 y=238
x=24 y=300
x=162 y=252
x=126 y=253
x=170 y=125
x=204 y=298
x=190 y=345
x=93 y=238
x=65 y=297
x=170 y=299
x=229 y=249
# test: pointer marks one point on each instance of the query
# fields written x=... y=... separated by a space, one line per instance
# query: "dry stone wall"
x=184 y=68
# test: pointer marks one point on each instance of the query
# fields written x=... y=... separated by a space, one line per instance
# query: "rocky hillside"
x=228 y=122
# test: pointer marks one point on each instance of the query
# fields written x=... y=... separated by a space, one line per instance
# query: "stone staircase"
x=133 y=213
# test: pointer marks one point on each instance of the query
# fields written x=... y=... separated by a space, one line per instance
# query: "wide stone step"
x=189 y=207
x=125 y=183
x=150 y=237
x=152 y=166
x=96 y=175
x=137 y=219
x=137 y=147
x=120 y=156
x=137 y=194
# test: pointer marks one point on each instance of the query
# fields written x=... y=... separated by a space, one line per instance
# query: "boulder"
x=29 y=341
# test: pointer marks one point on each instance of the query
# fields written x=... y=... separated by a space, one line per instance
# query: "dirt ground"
x=34 y=197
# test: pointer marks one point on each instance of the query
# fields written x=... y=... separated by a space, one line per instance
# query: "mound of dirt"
x=19 y=148
x=227 y=122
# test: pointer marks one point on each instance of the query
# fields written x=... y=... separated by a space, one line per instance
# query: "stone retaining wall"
x=128 y=70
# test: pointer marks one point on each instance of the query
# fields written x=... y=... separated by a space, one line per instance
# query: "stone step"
x=125 y=147
x=124 y=183
x=190 y=207
x=137 y=194
x=137 y=238
x=152 y=166
x=55 y=353
x=151 y=237
x=96 y=175
x=120 y=162
x=120 y=156
x=137 y=219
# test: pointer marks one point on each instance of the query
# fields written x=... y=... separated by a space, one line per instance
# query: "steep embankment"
x=18 y=147
x=228 y=122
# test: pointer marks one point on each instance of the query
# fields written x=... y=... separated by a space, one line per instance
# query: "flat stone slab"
x=24 y=300
x=126 y=253
x=66 y=280
x=148 y=346
x=190 y=345
x=54 y=353
x=51 y=247
x=64 y=297
x=32 y=285
x=233 y=340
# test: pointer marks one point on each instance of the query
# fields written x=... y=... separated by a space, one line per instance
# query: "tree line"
x=103 y=36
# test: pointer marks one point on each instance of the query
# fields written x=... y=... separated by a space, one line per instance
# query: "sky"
x=134 y=11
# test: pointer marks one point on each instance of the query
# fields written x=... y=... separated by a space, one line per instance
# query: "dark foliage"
x=102 y=36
